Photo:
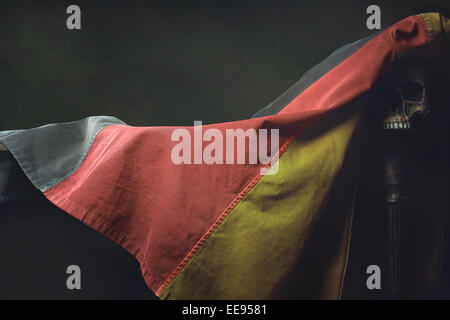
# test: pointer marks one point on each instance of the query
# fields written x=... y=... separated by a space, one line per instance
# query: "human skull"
x=400 y=98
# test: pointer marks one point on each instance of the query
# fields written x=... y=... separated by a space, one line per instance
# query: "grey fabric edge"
x=51 y=153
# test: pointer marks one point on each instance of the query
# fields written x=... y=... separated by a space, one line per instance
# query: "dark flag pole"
x=395 y=166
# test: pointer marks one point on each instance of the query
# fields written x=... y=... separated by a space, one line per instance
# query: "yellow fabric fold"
x=437 y=25
x=267 y=239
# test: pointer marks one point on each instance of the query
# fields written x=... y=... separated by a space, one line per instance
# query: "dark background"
x=147 y=63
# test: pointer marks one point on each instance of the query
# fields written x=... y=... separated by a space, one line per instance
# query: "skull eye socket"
x=396 y=101
x=413 y=91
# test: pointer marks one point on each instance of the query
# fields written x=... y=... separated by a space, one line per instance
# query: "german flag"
x=227 y=229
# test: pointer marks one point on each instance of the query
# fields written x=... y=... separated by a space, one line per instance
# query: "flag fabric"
x=226 y=230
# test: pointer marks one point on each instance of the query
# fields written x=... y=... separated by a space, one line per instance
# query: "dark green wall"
x=168 y=62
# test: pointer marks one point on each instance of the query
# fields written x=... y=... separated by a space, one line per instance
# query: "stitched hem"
x=222 y=217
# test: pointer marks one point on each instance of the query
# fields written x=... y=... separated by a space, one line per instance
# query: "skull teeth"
x=397 y=125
